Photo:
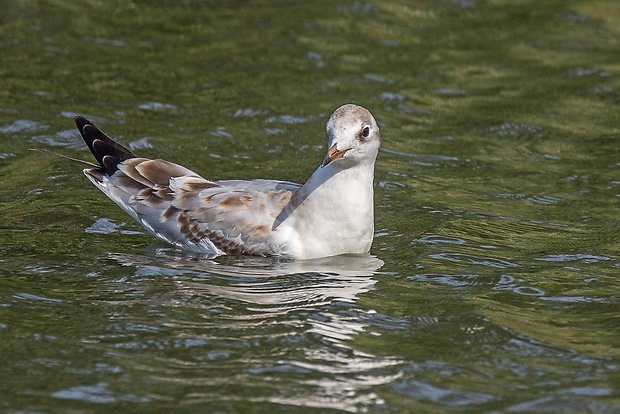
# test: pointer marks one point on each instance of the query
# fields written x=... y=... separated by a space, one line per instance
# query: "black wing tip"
x=81 y=122
x=108 y=152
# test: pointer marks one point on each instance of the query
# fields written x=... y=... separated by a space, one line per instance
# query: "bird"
x=331 y=214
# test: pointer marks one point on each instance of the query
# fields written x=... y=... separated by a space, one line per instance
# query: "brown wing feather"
x=160 y=171
x=235 y=220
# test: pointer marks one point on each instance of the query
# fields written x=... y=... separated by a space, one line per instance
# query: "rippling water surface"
x=492 y=285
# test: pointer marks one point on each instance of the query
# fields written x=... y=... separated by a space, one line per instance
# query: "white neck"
x=333 y=211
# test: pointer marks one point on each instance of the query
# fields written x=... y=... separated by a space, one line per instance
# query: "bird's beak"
x=333 y=154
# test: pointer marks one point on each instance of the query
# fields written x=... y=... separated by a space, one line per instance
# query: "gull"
x=331 y=214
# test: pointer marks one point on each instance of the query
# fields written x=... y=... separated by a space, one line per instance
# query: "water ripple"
x=518 y=130
x=22 y=125
x=580 y=299
x=438 y=239
x=248 y=113
x=69 y=138
x=157 y=106
x=445 y=396
x=561 y=258
x=140 y=143
x=426 y=159
x=36 y=298
x=106 y=226
x=99 y=393
x=111 y=42
x=379 y=78
x=560 y=404
x=450 y=280
x=289 y=119
x=476 y=260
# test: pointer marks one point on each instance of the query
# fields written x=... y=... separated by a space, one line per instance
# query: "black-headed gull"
x=331 y=214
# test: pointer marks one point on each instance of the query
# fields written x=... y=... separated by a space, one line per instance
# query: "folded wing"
x=180 y=207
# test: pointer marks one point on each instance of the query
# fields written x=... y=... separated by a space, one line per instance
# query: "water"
x=493 y=281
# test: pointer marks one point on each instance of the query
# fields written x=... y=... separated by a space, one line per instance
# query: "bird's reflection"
x=311 y=304
x=270 y=286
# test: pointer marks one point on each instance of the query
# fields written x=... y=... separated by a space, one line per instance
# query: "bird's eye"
x=366 y=132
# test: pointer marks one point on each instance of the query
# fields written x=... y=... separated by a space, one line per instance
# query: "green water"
x=495 y=286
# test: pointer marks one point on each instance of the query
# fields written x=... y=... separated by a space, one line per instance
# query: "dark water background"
x=494 y=285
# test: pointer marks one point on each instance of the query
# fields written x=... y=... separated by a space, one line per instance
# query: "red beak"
x=333 y=154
